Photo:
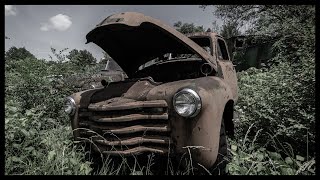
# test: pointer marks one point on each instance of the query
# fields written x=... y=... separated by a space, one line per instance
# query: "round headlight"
x=187 y=103
x=70 y=106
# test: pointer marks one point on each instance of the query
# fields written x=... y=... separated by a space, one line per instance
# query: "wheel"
x=219 y=167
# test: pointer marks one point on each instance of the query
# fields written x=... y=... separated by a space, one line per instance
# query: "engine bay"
x=174 y=70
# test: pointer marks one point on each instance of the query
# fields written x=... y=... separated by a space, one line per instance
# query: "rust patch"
x=137 y=151
x=138 y=128
x=131 y=117
x=134 y=141
x=103 y=106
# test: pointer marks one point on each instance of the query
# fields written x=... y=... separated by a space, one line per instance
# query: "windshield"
x=174 y=56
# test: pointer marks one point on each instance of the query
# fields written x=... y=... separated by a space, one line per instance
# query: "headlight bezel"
x=72 y=105
x=196 y=98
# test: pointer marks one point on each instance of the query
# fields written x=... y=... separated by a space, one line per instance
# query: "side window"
x=222 y=50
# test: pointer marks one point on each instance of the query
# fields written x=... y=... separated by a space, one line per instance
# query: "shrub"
x=281 y=102
x=37 y=131
x=39 y=145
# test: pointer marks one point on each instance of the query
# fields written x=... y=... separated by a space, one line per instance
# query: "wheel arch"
x=228 y=118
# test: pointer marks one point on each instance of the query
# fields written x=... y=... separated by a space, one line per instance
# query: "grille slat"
x=131 y=117
x=134 y=141
x=102 y=106
x=137 y=151
x=129 y=129
x=140 y=126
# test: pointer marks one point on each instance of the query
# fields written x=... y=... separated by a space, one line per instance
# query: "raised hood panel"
x=133 y=39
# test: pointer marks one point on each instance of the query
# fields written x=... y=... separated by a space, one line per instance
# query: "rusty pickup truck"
x=178 y=97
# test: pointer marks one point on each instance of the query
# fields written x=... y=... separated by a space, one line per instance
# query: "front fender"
x=201 y=133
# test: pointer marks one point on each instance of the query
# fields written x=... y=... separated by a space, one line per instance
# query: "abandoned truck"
x=110 y=74
x=179 y=95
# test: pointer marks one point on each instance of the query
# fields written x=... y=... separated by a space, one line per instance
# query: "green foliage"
x=36 y=144
x=186 y=28
x=249 y=158
x=230 y=29
x=282 y=98
x=293 y=26
x=38 y=132
x=280 y=101
x=73 y=53
x=15 y=53
x=81 y=58
x=60 y=56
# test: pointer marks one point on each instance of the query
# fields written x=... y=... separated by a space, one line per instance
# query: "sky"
x=39 y=27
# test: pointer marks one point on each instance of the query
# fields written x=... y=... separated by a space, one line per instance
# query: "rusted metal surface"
x=138 y=128
x=137 y=151
x=204 y=129
x=140 y=112
x=102 y=106
x=133 y=141
x=131 y=117
x=230 y=77
x=140 y=32
x=212 y=36
x=111 y=122
x=140 y=89
x=126 y=129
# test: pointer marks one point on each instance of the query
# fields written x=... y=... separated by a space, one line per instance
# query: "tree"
x=61 y=56
x=82 y=57
x=293 y=26
x=186 y=28
x=15 y=53
x=230 y=29
x=215 y=27
x=73 y=53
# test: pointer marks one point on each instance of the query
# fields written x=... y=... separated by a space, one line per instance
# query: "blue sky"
x=39 y=27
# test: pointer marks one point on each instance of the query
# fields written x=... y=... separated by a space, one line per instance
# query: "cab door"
x=225 y=66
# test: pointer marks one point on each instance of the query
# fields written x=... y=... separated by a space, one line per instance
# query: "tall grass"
x=38 y=135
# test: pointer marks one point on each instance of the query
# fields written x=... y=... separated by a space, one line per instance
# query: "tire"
x=219 y=167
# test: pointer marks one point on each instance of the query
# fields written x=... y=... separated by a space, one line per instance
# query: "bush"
x=40 y=145
x=37 y=131
x=281 y=102
x=250 y=158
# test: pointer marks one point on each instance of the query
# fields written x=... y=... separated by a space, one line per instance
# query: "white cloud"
x=10 y=10
x=58 y=22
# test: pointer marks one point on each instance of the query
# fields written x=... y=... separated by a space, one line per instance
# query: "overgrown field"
x=274 y=132
x=275 y=129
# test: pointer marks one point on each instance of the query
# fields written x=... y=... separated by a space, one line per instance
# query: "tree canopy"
x=230 y=29
x=186 y=28
x=81 y=57
x=15 y=53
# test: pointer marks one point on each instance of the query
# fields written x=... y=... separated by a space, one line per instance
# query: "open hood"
x=133 y=39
